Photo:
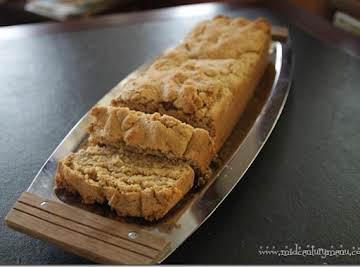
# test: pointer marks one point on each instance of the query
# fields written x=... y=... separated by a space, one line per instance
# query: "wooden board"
x=89 y=235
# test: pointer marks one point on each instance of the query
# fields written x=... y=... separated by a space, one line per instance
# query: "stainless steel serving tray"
x=239 y=152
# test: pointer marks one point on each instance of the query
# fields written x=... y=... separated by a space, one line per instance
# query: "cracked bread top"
x=152 y=134
x=133 y=184
x=192 y=88
x=222 y=38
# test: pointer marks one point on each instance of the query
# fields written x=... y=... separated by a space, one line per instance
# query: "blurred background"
x=343 y=14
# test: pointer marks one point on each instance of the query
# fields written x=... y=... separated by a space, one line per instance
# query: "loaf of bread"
x=208 y=79
x=132 y=184
x=154 y=134
x=169 y=120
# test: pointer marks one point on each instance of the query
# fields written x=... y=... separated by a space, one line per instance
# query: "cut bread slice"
x=154 y=134
x=132 y=184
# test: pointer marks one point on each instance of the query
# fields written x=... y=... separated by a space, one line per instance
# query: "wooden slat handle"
x=89 y=235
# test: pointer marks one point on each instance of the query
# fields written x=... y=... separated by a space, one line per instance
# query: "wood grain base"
x=89 y=235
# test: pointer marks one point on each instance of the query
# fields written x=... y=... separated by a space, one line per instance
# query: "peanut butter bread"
x=154 y=134
x=207 y=80
x=169 y=120
x=132 y=184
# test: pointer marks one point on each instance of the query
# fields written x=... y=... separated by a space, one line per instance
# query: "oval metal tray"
x=238 y=153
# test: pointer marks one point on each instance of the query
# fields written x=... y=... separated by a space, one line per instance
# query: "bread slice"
x=132 y=184
x=207 y=80
x=154 y=134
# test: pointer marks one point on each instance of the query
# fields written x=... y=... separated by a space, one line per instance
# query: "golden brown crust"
x=132 y=184
x=152 y=134
x=226 y=115
x=224 y=37
x=206 y=78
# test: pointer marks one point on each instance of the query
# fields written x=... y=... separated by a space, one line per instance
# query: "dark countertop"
x=303 y=188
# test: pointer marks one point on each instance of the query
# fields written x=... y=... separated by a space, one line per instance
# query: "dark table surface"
x=303 y=188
